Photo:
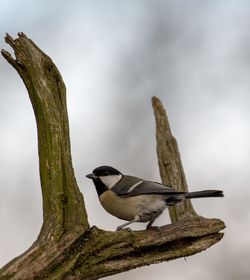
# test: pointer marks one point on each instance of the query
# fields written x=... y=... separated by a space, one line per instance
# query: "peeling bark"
x=67 y=248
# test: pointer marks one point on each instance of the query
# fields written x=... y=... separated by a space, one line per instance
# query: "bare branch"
x=63 y=205
x=96 y=253
x=169 y=159
x=66 y=247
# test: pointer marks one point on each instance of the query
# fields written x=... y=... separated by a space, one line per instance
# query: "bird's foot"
x=123 y=228
x=154 y=228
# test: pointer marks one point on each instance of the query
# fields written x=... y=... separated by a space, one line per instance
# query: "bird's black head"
x=104 y=178
x=106 y=171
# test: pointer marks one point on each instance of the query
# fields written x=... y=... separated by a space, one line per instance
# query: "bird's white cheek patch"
x=111 y=180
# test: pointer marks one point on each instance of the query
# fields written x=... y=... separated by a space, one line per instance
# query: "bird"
x=137 y=200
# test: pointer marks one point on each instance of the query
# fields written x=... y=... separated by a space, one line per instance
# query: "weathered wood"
x=67 y=248
x=97 y=253
x=169 y=160
x=63 y=206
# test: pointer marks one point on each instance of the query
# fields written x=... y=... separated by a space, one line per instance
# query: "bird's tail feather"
x=206 y=193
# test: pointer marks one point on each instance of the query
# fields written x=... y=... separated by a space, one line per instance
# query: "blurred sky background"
x=114 y=56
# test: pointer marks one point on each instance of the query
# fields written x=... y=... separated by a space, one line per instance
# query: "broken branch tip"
x=21 y=34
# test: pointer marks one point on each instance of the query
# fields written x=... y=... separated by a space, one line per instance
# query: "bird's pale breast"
x=127 y=208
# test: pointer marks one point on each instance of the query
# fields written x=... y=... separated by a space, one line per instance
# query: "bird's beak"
x=92 y=176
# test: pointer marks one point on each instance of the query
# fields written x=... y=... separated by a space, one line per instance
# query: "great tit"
x=136 y=200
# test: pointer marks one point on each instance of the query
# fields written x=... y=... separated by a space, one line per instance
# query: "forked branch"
x=67 y=248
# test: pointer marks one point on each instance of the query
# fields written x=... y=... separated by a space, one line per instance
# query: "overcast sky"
x=114 y=56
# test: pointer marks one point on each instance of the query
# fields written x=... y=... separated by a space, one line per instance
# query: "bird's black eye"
x=105 y=173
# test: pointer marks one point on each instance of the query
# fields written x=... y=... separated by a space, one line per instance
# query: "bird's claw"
x=154 y=228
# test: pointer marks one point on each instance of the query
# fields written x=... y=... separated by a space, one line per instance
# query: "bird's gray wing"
x=132 y=186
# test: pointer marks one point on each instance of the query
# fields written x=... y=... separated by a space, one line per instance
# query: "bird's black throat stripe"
x=100 y=187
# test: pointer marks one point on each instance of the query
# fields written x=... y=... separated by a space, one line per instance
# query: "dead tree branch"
x=67 y=248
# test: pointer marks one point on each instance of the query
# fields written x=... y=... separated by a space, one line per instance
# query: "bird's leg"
x=149 y=225
x=136 y=219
